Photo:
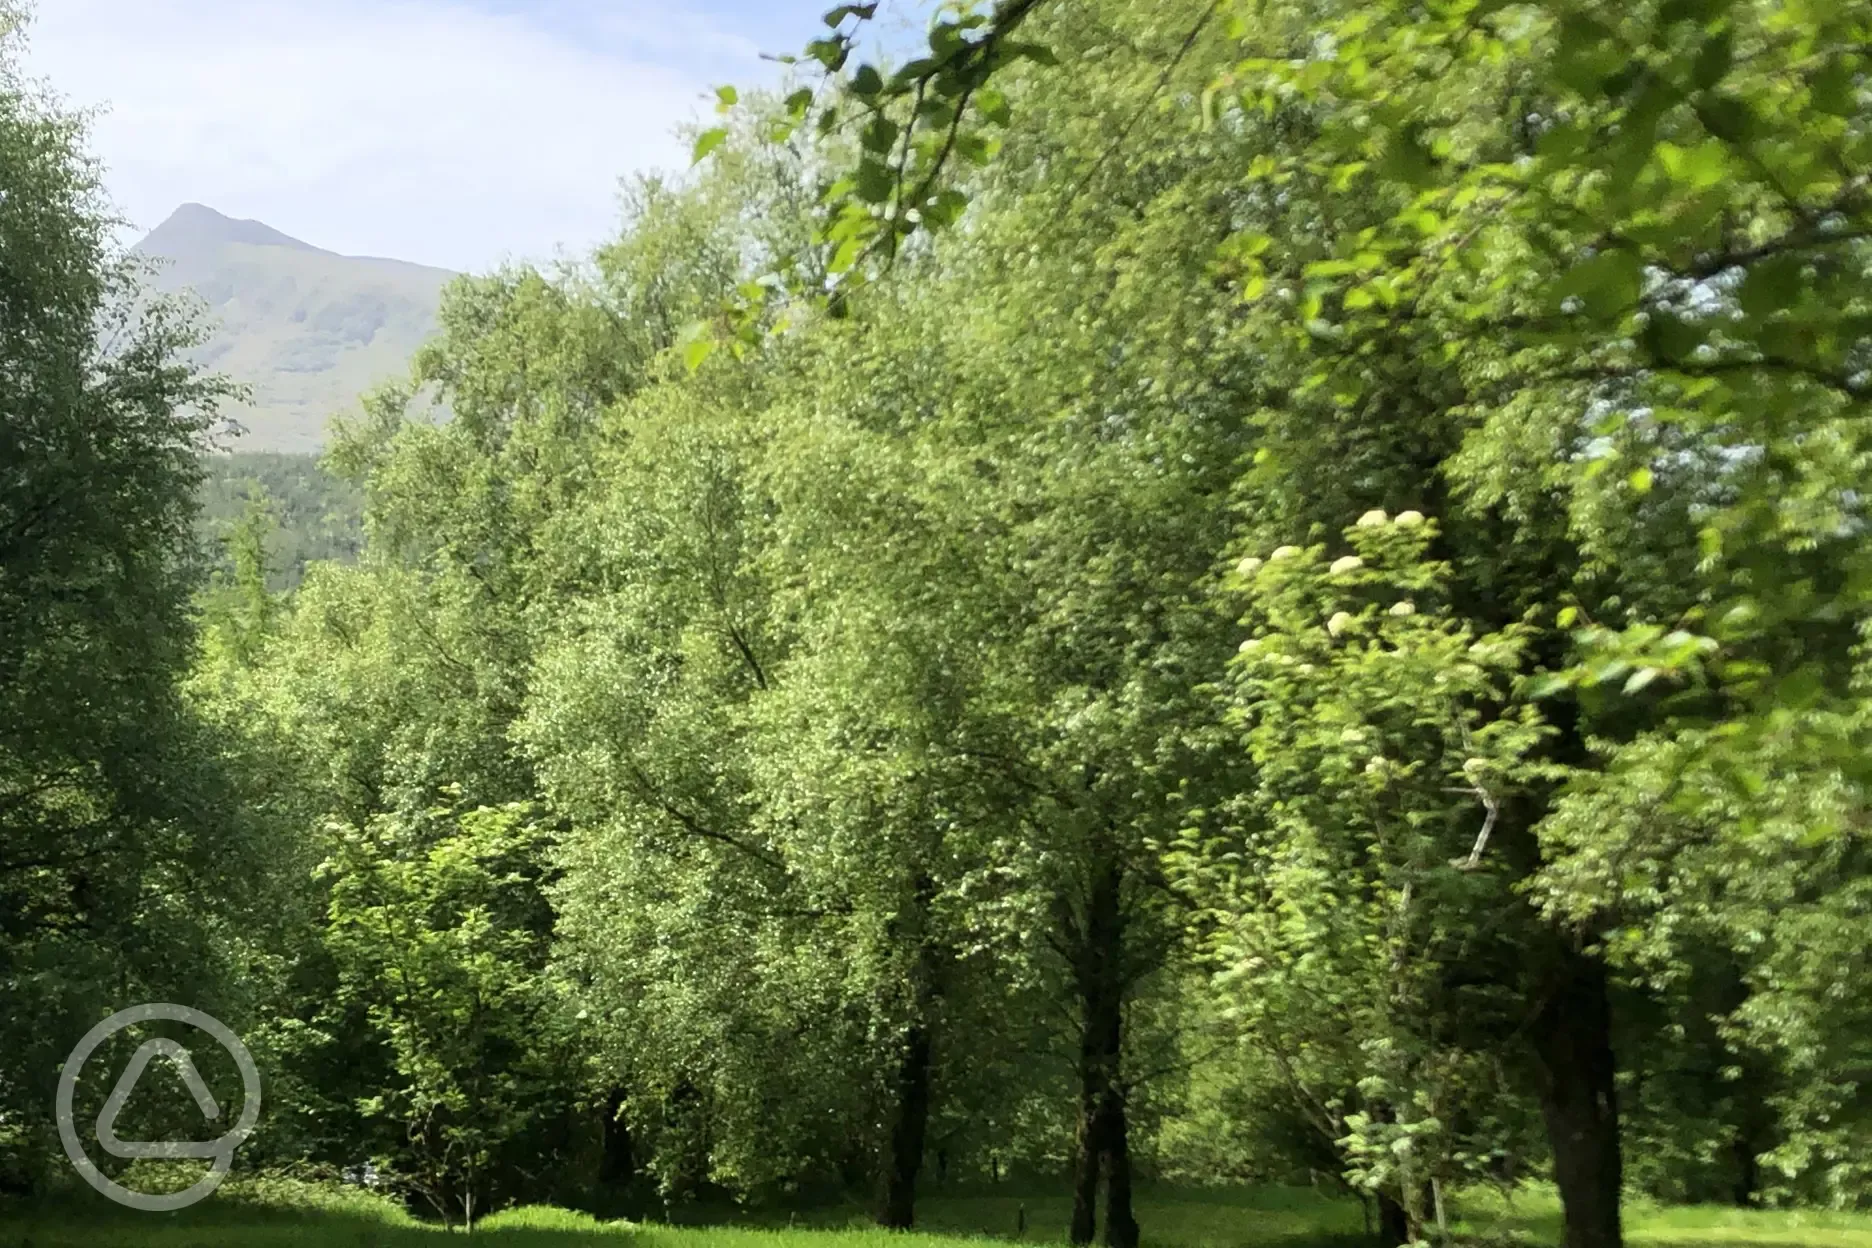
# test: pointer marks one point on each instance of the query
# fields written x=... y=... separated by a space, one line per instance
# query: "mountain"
x=308 y=329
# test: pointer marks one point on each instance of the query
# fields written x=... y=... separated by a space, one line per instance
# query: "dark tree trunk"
x=617 y=1167
x=910 y=1082
x=1754 y=1117
x=1103 y=1143
x=1103 y=1152
x=1086 y=1153
x=1394 y=1218
x=1395 y=1225
x=1573 y=1040
x=1755 y=1135
x=910 y=1123
x=1748 y=1173
x=1121 y=1228
x=1393 y=1222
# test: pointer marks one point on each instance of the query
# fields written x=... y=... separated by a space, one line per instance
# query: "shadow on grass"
x=292 y=1217
x=240 y=1225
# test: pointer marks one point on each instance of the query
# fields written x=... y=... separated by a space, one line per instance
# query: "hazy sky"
x=451 y=132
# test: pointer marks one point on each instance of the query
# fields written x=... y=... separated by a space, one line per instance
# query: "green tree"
x=441 y=935
x=113 y=818
x=1356 y=896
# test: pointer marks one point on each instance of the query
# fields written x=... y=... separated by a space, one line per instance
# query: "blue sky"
x=450 y=132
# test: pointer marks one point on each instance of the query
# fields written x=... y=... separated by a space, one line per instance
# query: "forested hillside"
x=306 y=514
x=1171 y=591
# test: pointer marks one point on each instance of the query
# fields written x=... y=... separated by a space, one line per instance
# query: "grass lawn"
x=285 y=1216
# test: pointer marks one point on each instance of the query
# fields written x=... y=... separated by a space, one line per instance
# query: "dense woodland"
x=1170 y=589
x=300 y=513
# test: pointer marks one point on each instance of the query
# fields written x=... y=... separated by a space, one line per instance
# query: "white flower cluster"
x=1376 y=518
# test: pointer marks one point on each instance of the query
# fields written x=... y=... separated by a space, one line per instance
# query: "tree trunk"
x=1103 y=1143
x=1393 y=1222
x=1754 y=1135
x=1121 y=1228
x=1086 y=1152
x=1754 y=1116
x=617 y=1166
x=910 y=1082
x=1748 y=1174
x=897 y=1201
x=1573 y=1040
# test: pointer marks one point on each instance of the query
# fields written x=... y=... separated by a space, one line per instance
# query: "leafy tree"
x=442 y=937
x=1357 y=902
x=1609 y=242
x=120 y=853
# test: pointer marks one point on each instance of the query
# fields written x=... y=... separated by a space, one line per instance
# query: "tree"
x=113 y=810
x=442 y=936
x=1604 y=241
x=1356 y=900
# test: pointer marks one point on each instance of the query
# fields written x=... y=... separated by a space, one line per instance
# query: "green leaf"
x=945 y=208
x=698 y=351
x=1772 y=285
x=707 y=142
x=912 y=72
x=726 y=98
x=880 y=135
x=830 y=53
x=876 y=180
x=867 y=81
x=1728 y=118
x=1670 y=338
x=1833 y=90
x=977 y=149
x=846 y=255
x=1549 y=684
x=1675 y=11
x=1406 y=160
x=1745 y=780
x=945 y=40
x=1589 y=53
x=1640 y=480
x=863 y=12
x=1562 y=143
x=1038 y=53
x=1606 y=285
x=1713 y=60
x=1697 y=167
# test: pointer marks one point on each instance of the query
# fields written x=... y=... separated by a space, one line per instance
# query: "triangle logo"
x=178 y=1057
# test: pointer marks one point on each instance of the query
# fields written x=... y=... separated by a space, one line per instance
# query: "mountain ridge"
x=193 y=225
x=308 y=329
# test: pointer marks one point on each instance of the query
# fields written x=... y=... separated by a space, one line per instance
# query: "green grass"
x=279 y=1214
x=1534 y=1216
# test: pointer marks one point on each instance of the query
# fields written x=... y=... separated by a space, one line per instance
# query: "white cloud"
x=428 y=130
